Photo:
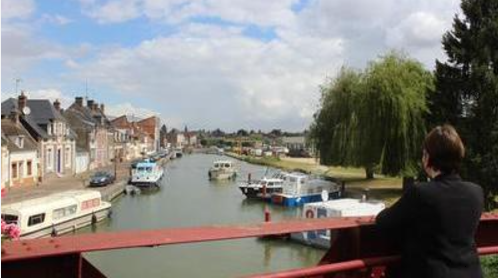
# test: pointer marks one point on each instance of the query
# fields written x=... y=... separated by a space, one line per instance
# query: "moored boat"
x=265 y=187
x=147 y=174
x=222 y=169
x=333 y=208
x=299 y=189
x=57 y=214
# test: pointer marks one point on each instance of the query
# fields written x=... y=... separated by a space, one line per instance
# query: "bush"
x=490 y=266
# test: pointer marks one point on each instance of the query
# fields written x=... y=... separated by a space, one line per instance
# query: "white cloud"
x=51 y=94
x=56 y=19
x=127 y=108
x=370 y=28
x=113 y=11
x=210 y=74
x=222 y=79
x=259 y=12
x=17 y=9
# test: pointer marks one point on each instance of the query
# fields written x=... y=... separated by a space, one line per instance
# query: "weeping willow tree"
x=333 y=131
x=376 y=118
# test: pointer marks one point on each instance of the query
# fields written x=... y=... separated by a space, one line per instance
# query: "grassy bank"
x=387 y=189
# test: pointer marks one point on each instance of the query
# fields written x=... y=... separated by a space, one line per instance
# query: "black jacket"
x=434 y=225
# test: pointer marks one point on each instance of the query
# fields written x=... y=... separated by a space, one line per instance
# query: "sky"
x=208 y=64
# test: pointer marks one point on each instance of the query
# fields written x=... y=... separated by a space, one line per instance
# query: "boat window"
x=227 y=165
x=149 y=169
x=36 y=219
x=88 y=204
x=270 y=183
x=10 y=218
x=140 y=168
x=63 y=212
x=216 y=165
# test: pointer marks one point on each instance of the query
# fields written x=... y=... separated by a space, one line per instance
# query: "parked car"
x=101 y=179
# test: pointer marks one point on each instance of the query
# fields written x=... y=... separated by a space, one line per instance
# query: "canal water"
x=186 y=199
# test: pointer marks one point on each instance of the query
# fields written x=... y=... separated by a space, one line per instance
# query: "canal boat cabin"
x=56 y=214
x=334 y=208
x=222 y=170
x=299 y=189
x=265 y=187
x=147 y=174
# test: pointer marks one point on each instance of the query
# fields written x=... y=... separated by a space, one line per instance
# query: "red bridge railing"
x=358 y=250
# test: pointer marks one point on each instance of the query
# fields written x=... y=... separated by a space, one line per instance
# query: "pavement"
x=59 y=184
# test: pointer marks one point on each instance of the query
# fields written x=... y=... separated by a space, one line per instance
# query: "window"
x=36 y=219
x=88 y=204
x=20 y=142
x=21 y=169
x=67 y=156
x=49 y=158
x=14 y=170
x=10 y=218
x=63 y=212
x=29 y=168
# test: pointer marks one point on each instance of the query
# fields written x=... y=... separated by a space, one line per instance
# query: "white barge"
x=57 y=214
x=299 y=189
x=147 y=174
x=222 y=169
x=335 y=208
x=265 y=187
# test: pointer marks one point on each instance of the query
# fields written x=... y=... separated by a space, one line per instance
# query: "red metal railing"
x=357 y=248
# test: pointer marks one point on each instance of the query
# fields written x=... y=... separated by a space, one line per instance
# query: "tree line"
x=377 y=118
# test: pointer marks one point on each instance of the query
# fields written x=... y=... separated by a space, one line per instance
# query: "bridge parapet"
x=358 y=248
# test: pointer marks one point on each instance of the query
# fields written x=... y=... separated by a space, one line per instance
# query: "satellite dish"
x=325 y=195
x=26 y=110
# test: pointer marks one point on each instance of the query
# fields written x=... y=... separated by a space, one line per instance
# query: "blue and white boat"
x=331 y=209
x=147 y=174
x=299 y=189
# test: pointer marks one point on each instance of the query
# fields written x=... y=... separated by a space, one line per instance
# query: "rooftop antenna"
x=17 y=80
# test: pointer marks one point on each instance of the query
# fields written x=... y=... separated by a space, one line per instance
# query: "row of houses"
x=40 y=140
x=178 y=139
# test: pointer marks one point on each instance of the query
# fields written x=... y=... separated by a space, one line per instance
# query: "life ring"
x=310 y=214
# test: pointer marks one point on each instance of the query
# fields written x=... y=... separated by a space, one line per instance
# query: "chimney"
x=102 y=108
x=14 y=116
x=57 y=105
x=79 y=101
x=89 y=104
x=22 y=101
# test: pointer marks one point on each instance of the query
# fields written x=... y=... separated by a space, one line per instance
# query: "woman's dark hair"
x=445 y=149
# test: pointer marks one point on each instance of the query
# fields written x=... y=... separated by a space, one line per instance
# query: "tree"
x=275 y=132
x=335 y=124
x=375 y=118
x=392 y=115
x=466 y=94
x=242 y=132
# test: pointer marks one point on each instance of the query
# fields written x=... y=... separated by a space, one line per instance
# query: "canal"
x=187 y=198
